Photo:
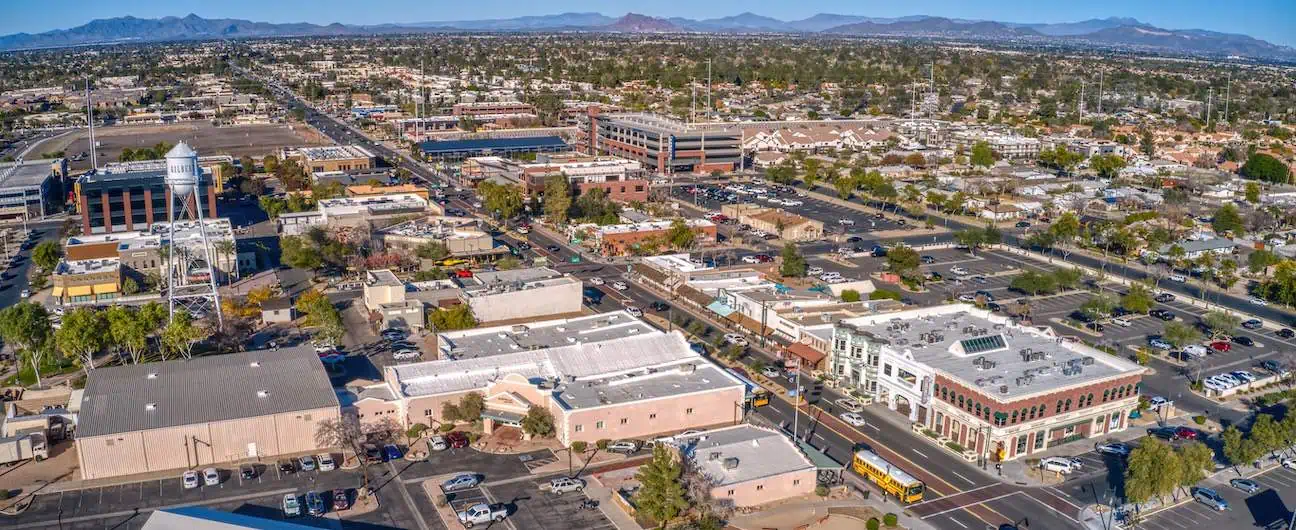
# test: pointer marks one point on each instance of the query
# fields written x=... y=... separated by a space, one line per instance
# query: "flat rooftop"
x=488 y=144
x=499 y=340
x=205 y=389
x=650 y=383
x=438 y=228
x=25 y=174
x=572 y=364
x=87 y=266
x=987 y=351
x=384 y=278
x=160 y=164
x=373 y=205
x=651 y=226
x=334 y=152
x=742 y=453
x=189 y=233
x=663 y=125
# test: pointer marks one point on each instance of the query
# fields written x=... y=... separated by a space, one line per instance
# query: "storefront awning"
x=510 y=418
x=58 y=292
x=810 y=357
x=105 y=288
x=80 y=290
x=720 y=308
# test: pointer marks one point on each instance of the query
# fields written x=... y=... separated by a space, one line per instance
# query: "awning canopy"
x=720 y=308
x=58 y=292
x=105 y=288
x=809 y=356
x=80 y=290
x=821 y=460
x=511 y=418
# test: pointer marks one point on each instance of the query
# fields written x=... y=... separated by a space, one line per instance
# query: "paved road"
x=13 y=280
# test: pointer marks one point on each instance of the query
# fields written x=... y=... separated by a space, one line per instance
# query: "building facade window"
x=1021 y=444
x=688 y=410
x=598 y=425
x=1039 y=440
x=579 y=427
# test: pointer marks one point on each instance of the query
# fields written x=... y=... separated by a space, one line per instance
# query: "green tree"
x=971 y=238
x=1253 y=193
x=502 y=199
x=1065 y=229
x=904 y=261
x=270 y=163
x=1068 y=278
x=1266 y=433
x=844 y=187
x=680 y=235
x=1261 y=166
x=1228 y=219
x=1137 y=299
x=179 y=336
x=297 y=252
x=1153 y=471
x=794 y=265
x=129 y=331
x=1098 y=306
x=1238 y=449
x=982 y=155
x=26 y=327
x=1179 y=334
x=1195 y=461
x=850 y=295
x=1107 y=166
x=1221 y=323
x=661 y=494
x=1261 y=260
x=457 y=317
x=1034 y=283
x=83 y=335
x=46 y=255
x=432 y=250
x=557 y=200
x=1147 y=143
x=538 y=422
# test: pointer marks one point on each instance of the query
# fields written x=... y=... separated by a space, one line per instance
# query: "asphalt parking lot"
x=530 y=508
x=127 y=505
x=492 y=467
x=1273 y=502
x=828 y=213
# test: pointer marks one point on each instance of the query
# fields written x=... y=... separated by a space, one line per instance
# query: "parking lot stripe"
x=123 y=513
x=491 y=499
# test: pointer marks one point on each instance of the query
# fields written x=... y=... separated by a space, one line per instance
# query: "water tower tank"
x=182 y=170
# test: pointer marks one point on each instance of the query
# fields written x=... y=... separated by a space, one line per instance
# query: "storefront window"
x=1021 y=444
x=1039 y=440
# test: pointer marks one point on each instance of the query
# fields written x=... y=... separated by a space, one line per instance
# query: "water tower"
x=190 y=269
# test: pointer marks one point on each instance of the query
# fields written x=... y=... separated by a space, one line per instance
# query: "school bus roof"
x=896 y=473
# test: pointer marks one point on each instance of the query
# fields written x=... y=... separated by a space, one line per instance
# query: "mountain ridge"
x=1110 y=31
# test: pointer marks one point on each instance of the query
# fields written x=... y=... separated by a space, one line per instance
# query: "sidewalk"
x=825 y=514
x=595 y=489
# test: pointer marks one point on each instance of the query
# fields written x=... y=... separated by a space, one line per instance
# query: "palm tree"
x=1207 y=262
x=226 y=249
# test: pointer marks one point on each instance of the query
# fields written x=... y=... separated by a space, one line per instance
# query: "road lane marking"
x=1060 y=512
x=956 y=521
x=960 y=475
x=917 y=504
x=920 y=453
x=968 y=505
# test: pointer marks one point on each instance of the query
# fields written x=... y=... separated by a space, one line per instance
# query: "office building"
x=618 y=178
x=751 y=466
x=521 y=294
x=1000 y=389
x=31 y=189
x=628 y=238
x=454 y=150
x=219 y=168
x=123 y=198
x=491 y=107
x=463 y=237
x=664 y=145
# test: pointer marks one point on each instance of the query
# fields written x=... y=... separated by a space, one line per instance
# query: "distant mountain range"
x=1113 y=31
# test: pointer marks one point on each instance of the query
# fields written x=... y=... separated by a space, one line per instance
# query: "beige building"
x=462 y=236
x=788 y=226
x=331 y=158
x=522 y=294
x=91 y=280
x=188 y=414
x=750 y=466
x=384 y=296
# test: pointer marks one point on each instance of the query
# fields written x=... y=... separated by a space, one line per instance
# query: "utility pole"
x=796 y=405
x=94 y=156
x=1228 y=91
x=692 y=99
x=1082 y=99
x=708 y=88
x=1100 y=91
x=1210 y=99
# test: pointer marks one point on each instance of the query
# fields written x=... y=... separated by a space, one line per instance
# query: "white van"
x=1057 y=465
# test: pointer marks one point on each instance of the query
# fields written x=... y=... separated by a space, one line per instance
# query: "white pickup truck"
x=482 y=513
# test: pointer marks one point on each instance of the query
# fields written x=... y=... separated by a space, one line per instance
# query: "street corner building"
x=185 y=414
x=997 y=388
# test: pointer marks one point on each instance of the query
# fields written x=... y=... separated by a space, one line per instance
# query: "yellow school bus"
x=891 y=479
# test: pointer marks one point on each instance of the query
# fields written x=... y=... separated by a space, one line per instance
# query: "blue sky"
x=1272 y=20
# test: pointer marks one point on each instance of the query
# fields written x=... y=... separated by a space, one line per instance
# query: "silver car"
x=460 y=482
x=563 y=485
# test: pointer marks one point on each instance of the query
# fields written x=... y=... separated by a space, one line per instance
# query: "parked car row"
x=316 y=502
x=1225 y=381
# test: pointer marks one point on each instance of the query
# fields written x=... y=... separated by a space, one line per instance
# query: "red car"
x=764 y=258
x=456 y=439
x=464 y=273
x=1221 y=346
x=1185 y=433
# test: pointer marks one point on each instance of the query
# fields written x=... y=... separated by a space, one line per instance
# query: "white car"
x=958 y=270
x=1258 y=301
x=1196 y=350
x=1157 y=402
x=1122 y=322
x=620 y=286
x=563 y=485
x=1057 y=464
x=770 y=372
x=1289 y=463
x=814 y=271
x=846 y=222
x=211 y=477
x=792 y=202
x=750 y=260
x=596 y=281
x=1178 y=278
x=634 y=311
x=326 y=462
x=734 y=338
x=438 y=443
x=405 y=355
x=190 y=479
x=25 y=293
x=849 y=405
x=852 y=418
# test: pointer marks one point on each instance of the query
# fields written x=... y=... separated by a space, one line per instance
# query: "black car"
x=1023 y=224
x=1119 y=312
x=1286 y=333
x=1243 y=340
x=553 y=248
x=247 y=472
x=1164 y=433
x=928 y=260
x=1271 y=365
x=854 y=239
x=1162 y=314
x=658 y=306
x=1081 y=316
x=994 y=307
x=524 y=245
x=287 y=466
x=1164 y=297
x=1096 y=326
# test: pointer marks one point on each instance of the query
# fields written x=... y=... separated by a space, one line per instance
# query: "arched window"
x=944 y=393
x=1068 y=405
x=978 y=409
x=1089 y=402
x=960 y=401
x=1014 y=417
x=1106 y=394
x=1032 y=413
x=1059 y=407
x=1023 y=413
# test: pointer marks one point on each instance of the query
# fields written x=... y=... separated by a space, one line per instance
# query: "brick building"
x=663 y=145
x=621 y=239
x=124 y=198
x=1000 y=389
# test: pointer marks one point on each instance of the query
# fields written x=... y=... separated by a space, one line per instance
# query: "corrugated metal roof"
x=198 y=518
x=480 y=144
x=204 y=389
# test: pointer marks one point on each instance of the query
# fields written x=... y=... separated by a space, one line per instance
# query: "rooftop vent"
x=152 y=375
x=255 y=364
x=715 y=455
x=263 y=393
x=1003 y=389
x=150 y=406
x=731 y=463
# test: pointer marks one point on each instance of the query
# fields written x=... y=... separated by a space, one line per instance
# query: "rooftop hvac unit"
x=731 y=463
x=1003 y=389
x=1068 y=371
x=1087 y=361
x=715 y=455
x=980 y=382
x=687 y=368
x=977 y=361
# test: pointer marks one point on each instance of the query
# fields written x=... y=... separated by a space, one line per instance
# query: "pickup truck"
x=24 y=447
x=482 y=513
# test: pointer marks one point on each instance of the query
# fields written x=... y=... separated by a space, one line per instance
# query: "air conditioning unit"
x=1003 y=389
x=731 y=463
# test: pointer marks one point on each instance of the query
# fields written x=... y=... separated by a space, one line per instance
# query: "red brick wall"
x=619 y=244
x=621 y=190
x=1049 y=401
